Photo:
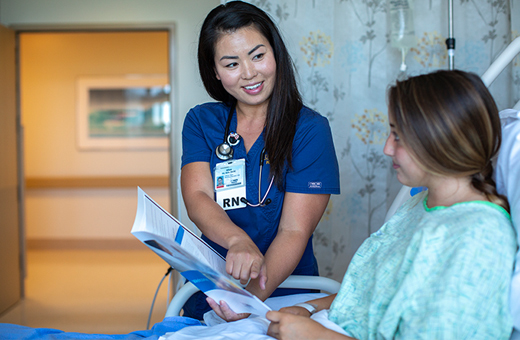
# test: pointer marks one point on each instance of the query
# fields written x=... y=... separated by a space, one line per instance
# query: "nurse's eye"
x=258 y=56
x=396 y=136
x=231 y=65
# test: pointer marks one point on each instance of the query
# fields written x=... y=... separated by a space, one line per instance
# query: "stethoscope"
x=225 y=152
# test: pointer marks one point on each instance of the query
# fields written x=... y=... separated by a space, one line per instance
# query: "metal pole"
x=450 y=42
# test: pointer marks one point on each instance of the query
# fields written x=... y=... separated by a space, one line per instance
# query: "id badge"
x=230 y=184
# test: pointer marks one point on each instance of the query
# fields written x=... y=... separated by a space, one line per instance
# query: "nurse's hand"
x=244 y=261
x=224 y=311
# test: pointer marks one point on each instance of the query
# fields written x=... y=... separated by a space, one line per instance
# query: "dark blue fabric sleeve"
x=194 y=146
x=315 y=167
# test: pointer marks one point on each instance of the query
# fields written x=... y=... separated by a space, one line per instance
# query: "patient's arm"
x=321 y=303
x=289 y=326
x=227 y=313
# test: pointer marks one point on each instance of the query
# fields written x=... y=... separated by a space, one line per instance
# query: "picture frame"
x=130 y=112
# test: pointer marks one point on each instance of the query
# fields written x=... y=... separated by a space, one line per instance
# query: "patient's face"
x=408 y=171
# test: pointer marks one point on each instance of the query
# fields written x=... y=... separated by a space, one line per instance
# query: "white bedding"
x=507 y=174
x=252 y=328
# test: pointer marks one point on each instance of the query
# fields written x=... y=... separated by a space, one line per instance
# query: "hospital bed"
x=508 y=182
x=507 y=174
x=329 y=285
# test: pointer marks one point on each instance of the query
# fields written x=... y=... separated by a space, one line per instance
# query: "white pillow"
x=507 y=175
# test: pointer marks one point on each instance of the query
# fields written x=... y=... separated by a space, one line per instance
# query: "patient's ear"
x=216 y=74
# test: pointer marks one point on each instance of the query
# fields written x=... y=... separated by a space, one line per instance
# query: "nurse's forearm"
x=300 y=216
x=208 y=216
x=212 y=220
x=281 y=259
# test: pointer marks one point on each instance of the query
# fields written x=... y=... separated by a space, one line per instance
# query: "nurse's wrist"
x=255 y=289
x=238 y=239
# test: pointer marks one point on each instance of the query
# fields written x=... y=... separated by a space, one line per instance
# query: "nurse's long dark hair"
x=450 y=124
x=285 y=103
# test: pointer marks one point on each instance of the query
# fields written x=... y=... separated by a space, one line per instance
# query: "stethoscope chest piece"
x=224 y=151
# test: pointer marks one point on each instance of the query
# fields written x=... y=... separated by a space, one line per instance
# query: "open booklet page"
x=191 y=256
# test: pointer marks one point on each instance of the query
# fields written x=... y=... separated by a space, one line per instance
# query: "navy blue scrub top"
x=315 y=171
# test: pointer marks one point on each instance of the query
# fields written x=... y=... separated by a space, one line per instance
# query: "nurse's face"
x=408 y=171
x=245 y=64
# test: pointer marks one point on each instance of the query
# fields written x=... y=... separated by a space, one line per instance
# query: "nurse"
x=258 y=167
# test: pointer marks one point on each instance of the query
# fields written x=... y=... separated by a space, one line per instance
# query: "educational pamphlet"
x=187 y=253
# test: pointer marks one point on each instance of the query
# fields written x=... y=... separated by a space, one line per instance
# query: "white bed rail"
x=501 y=62
x=294 y=281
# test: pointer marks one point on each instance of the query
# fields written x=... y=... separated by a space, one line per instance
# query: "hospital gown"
x=440 y=273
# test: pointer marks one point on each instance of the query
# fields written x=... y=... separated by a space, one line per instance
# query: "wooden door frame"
x=11 y=182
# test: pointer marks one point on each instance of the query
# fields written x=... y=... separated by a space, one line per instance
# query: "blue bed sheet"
x=169 y=324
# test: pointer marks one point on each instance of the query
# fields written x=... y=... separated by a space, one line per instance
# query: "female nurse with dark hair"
x=258 y=167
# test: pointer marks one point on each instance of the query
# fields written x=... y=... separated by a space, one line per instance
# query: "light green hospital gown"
x=440 y=273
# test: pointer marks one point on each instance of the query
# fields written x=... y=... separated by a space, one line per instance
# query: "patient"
x=440 y=268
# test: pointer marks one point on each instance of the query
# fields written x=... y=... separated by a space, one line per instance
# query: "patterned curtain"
x=345 y=62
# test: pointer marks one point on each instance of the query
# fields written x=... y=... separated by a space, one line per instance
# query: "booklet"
x=187 y=253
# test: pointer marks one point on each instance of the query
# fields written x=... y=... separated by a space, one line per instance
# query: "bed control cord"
x=155 y=296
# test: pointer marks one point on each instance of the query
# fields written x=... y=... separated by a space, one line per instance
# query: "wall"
x=186 y=15
x=90 y=214
x=50 y=66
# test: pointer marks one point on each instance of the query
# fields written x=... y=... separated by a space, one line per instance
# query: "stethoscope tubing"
x=261 y=200
x=228 y=154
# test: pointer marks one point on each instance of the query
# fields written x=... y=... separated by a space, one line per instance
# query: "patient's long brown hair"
x=451 y=123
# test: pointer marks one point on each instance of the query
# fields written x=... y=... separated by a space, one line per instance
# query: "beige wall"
x=100 y=213
x=186 y=15
x=50 y=66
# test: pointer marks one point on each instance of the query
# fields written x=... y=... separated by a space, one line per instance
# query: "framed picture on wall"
x=123 y=113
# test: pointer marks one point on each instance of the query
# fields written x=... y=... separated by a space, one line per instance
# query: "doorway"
x=81 y=197
x=77 y=198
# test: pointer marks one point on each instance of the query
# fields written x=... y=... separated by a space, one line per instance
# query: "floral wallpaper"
x=345 y=62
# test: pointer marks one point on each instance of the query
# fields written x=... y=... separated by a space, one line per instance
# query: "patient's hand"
x=289 y=326
x=296 y=311
x=224 y=311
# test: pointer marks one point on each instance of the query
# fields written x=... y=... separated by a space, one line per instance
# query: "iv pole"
x=450 y=42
